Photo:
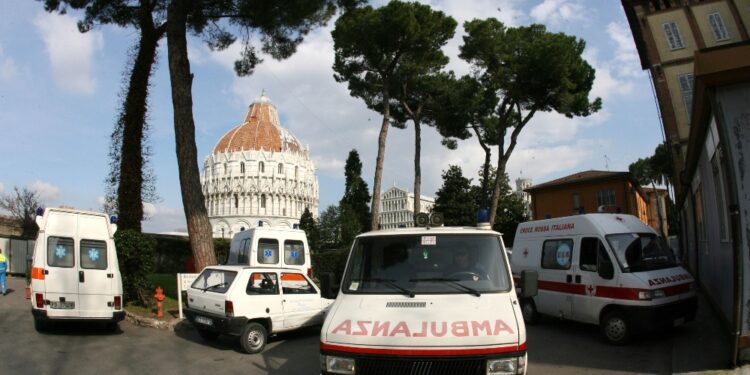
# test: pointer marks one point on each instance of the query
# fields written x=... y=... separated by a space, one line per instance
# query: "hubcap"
x=255 y=339
x=616 y=329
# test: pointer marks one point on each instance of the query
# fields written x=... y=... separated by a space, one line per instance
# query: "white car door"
x=302 y=302
x=260 y=298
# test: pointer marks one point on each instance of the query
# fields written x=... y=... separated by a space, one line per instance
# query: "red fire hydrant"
x=159 y=297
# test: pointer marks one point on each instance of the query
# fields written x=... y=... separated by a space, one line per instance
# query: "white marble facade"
x=397 y=208
x=258 y=172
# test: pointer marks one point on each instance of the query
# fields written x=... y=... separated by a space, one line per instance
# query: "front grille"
x=419 y=366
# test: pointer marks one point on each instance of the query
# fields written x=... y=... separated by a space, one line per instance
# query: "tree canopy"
x=22 y=204
x=356 y=193
x=375 y=48
x=529 y=70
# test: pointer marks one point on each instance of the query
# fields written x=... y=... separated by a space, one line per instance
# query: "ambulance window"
x=263 y=283
x=294 y=252
x=556 y=254
x=589 y=250
x=60 y=252
x=93 y=254
x=295 y=283
x=268 y=251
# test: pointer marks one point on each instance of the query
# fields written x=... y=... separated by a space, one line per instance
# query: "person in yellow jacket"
x=3 y=268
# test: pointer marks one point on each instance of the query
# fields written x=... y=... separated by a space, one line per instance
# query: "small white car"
x=253 y=303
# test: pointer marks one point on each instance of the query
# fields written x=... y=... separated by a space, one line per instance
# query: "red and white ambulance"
x=606 y=269
x=437 y=300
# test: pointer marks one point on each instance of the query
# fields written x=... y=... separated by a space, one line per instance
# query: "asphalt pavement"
x=554 y=346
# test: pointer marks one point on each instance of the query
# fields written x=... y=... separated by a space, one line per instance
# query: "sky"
x=60 y=92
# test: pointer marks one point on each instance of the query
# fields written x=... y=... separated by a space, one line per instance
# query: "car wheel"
x=528 y=310
x=208 y=335
x=253 y=338
x=615 y=328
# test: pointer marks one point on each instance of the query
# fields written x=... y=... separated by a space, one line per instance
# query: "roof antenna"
x=606 y=162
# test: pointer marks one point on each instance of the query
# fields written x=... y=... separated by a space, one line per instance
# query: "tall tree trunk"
x=417 y=167
x=379 y=161
x=199 y=228
x=132 y=121
x=501 y=162
x=485 y=168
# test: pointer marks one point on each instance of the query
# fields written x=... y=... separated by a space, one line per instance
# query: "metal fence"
x=18 y=251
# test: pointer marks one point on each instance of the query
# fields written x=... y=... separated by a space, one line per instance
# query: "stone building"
x=258 y=172
x=397 y=208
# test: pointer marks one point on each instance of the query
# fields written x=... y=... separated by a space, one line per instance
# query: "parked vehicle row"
x=412 y=300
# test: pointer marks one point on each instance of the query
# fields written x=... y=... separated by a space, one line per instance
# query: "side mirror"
x=529 y=283
x=605 y=269
x=328 y=287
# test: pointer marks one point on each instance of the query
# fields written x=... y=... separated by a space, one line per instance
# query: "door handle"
x=568 y=278
x=111 y=275
x=578 y=279
x=80 y=276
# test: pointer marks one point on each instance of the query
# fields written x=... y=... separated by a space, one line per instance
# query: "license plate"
x=62 y=305
x=678 y=322
x=204 y=320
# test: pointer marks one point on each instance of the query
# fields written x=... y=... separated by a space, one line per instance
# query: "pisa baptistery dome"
x=259 y=173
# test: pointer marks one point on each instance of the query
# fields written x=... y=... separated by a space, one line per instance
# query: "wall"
x=672 y=74
x=655 y=23
x=701 y=16
x=736 y=125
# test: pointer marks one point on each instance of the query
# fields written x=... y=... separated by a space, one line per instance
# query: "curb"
x=142 y=321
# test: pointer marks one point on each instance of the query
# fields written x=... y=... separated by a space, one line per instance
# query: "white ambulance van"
x=75 y=275
x=606 y=269
x=437 y=300
x=271 y=247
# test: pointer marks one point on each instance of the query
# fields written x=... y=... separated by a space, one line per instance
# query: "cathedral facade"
x=258 y=174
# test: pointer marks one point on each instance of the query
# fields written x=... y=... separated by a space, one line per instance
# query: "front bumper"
x=219 y=323
x=645 y=318
x=373 y=364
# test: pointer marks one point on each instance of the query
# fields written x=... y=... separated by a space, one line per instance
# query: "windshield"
x=641 y=251
x=212 y=280
x=427 y=264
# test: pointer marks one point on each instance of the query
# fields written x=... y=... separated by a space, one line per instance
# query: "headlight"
x=651 y=294
x=337 y=365
x=507 y=366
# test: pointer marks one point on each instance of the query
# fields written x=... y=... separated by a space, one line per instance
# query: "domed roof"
x=261 y=130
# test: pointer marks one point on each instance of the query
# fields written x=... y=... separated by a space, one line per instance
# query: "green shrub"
x=221 y=248
x=135 y=253
x=329 y=261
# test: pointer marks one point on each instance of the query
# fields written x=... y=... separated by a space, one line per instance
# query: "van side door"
x=302 y=302
x=598 y=287
x=556 y=288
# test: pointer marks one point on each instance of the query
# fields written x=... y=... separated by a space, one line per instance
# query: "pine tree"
x=356 y=193
x=455 y=199
x=307 y=223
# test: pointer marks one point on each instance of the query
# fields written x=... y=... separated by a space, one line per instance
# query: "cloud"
x=8 y=67
x=70 y=52
x=626 y=55
x=46 y=191
x=161 y=219
x=555 y=12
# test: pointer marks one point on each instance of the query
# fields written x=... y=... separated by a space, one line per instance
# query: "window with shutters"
x=674 y=38
x=686 y=89
x=717 y=26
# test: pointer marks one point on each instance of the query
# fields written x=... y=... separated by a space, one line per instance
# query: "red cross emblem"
x=525 y=253
x=591 y=290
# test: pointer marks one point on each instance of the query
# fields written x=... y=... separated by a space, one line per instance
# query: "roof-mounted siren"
x=421 y=219
x=112 y=225
x=40 y=217
x=483 y=219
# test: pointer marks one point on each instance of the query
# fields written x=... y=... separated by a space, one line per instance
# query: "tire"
x=528 y=310
x=253 y=338
x=40 y=325
x=615 y=329
x=208 y=335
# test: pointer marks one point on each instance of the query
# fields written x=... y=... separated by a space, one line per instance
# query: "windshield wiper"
x=390 y=282
x=213 y=286
x=453 y=282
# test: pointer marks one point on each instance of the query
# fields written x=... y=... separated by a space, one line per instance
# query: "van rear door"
x=61 y=277
x=95 y=269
